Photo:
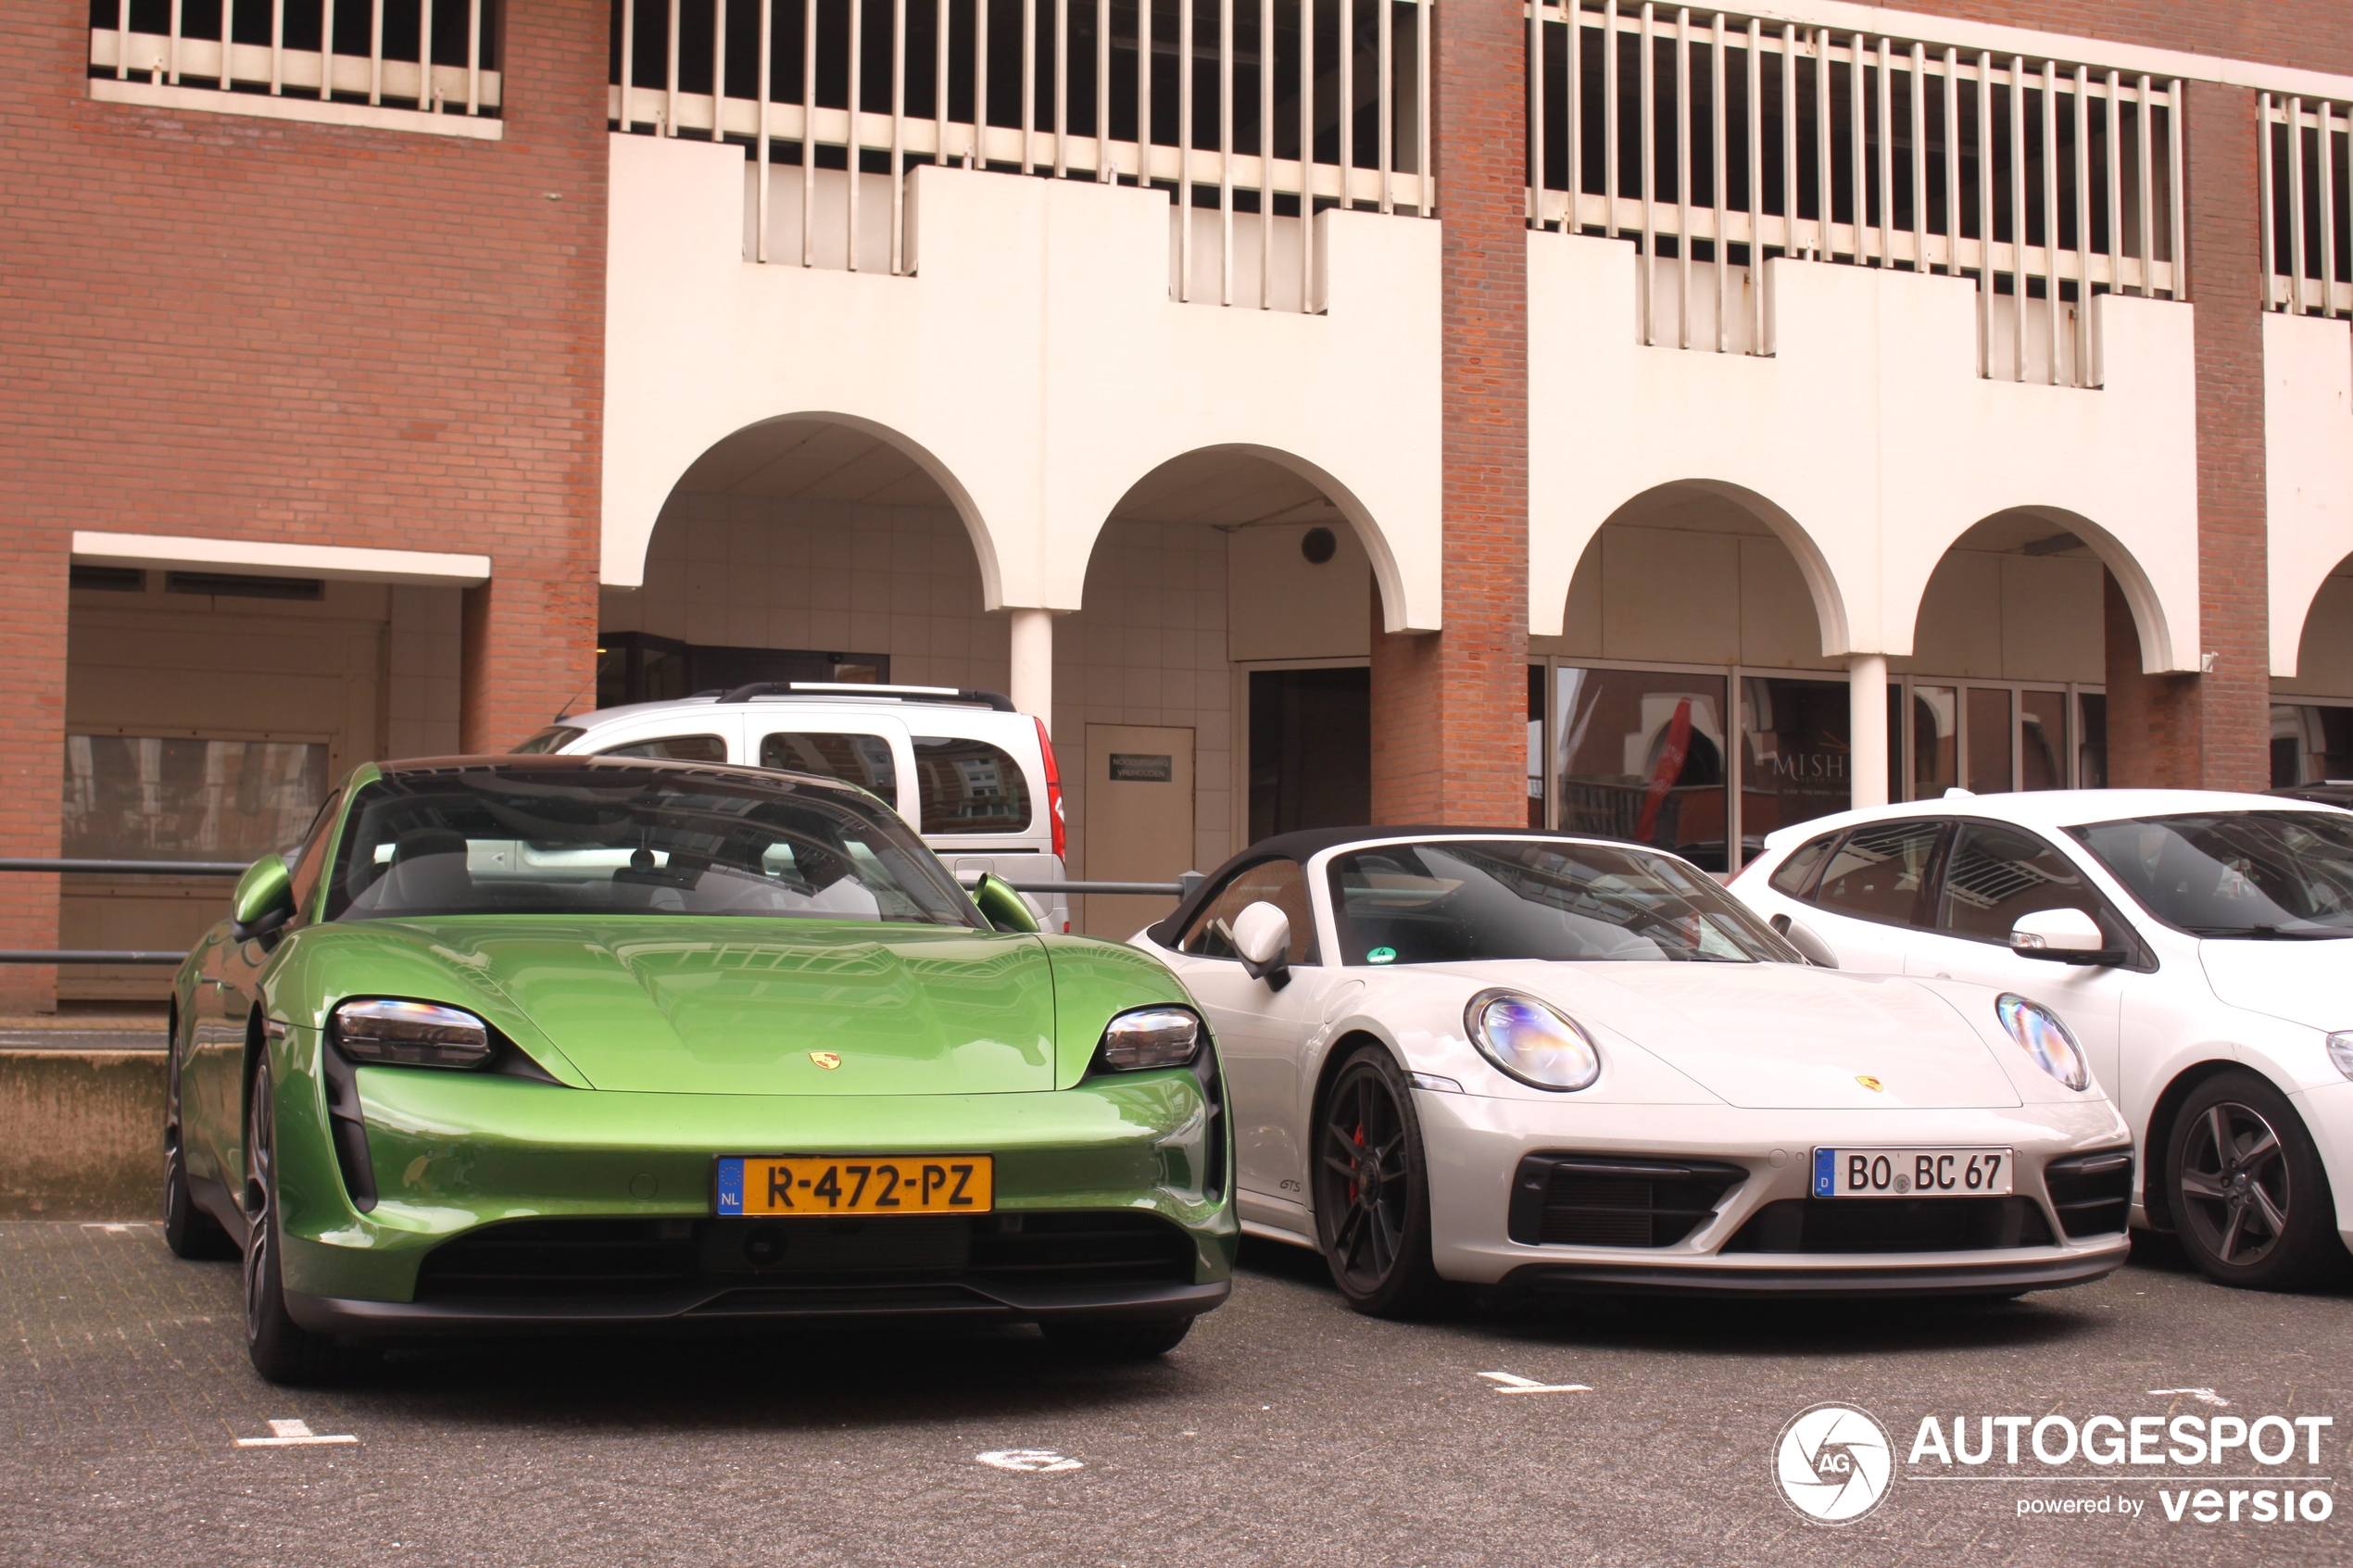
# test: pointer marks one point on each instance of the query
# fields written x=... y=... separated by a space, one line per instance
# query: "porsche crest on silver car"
x=1545 y=1062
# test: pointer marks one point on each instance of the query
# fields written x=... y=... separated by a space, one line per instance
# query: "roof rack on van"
x=978 y=697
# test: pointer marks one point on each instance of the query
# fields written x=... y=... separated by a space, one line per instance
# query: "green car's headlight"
x=1530 y=1042
x=1157 y=1036
x=379 y=1029
x=2041 y=1034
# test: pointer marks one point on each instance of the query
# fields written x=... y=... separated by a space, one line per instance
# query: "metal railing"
x=371 y=52
x=1253 y=113
x=2306 y=197
x=1715 y=141
x=53 y=867
x=109 y=868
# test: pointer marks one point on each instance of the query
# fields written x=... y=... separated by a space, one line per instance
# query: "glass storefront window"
x=1798 y=761
x=1641 y=755
x=1536 y=745
x=2041 y=730
x=151 y=798
x=1936 y=741
x=2091 y=744
x=2310 y=743
x=1988 y=717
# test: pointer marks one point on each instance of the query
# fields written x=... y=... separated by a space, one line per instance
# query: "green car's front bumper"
x=507 y=1202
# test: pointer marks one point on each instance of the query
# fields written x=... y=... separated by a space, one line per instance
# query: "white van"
x=974 y=777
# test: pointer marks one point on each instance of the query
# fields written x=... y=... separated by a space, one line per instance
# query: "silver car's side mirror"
x=2062 y=937
x=1808 y=942
x=1262 y=940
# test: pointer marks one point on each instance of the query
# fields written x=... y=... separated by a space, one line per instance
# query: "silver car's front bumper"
x=1475 y=1145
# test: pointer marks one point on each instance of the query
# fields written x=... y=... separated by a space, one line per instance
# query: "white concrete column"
x=1866 y=725
x=1031 y=636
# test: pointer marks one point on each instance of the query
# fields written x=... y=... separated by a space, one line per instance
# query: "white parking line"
x=1512 y=1383
x=290 y=1434
x=1034 y=1461
x=111 y=1228
x=2205 y=1396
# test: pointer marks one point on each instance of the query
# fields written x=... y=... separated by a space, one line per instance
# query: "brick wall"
x=2235 y=700
x=1450 y=708
x=236 y=327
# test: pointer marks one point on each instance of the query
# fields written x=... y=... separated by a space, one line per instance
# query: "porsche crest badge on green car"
x=510 y=1043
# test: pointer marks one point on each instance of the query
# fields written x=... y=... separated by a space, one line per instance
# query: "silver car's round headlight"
x=1530 y=1042
x=2041 y=1034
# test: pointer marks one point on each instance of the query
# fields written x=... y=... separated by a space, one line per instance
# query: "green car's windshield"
x=599 y=838
x=2243 y=875
x=1538 y=898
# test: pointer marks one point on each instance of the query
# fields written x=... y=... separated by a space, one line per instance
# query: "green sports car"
x=512 y=1042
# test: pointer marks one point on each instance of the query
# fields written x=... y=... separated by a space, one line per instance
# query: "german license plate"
x=1913 y=1173
x=857 y=1183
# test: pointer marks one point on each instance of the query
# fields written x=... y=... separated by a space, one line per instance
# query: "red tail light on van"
x=1053 y=788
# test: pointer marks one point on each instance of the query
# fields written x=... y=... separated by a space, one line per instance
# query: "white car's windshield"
x=2248 y=875
x=570 y=836
x=1537 y=898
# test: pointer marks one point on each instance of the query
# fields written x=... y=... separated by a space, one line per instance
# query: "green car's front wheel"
x=283 y=1350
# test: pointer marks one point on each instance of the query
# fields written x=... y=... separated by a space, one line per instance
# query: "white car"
x=973 y=775
x=1538 y=1061
x=2193 y=941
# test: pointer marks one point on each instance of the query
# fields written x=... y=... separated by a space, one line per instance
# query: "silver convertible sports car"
x=1534 y=1062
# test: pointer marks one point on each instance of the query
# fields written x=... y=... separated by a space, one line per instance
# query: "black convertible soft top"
x=1309 y=842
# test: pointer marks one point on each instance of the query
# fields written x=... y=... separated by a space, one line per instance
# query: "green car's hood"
x=724 y=1005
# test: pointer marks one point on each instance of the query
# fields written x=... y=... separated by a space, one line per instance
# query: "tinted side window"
x=675 y=748
x=1279 y=883
x=864 y=761
x=1996 y=874
x=1876 y=872
x=1794 y=871
x=969 y=786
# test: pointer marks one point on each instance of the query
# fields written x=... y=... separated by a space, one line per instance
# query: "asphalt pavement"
x=1285 y=1430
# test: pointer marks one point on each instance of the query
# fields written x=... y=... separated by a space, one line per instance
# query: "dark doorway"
x=1311 y=750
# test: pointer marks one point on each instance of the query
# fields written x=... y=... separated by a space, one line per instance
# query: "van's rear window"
x=970 y=786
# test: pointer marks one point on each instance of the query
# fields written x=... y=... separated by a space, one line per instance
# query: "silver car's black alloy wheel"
x=1372 y=1199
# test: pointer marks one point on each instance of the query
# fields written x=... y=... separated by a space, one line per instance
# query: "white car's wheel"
x=1372 y=1190
x=2250 y=1198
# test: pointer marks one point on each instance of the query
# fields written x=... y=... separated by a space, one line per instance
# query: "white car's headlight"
x=381 y=1029
x=2341 y=1051
x=1530 y=1042
x=2041 y=1034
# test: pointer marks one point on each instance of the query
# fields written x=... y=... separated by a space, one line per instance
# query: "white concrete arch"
x=1035 y=357
x=1388 y=574
x=2141 y=593
x=764 y=452
x=1813 y=565
x=1853 y=424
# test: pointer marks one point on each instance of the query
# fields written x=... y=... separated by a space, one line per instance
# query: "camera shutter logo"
x=1834 y=1463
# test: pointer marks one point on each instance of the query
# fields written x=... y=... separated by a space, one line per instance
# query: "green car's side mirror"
x=264 y=901
x=1005 y=909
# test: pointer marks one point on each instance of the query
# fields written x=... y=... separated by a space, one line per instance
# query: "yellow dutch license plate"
x=857 y=1183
